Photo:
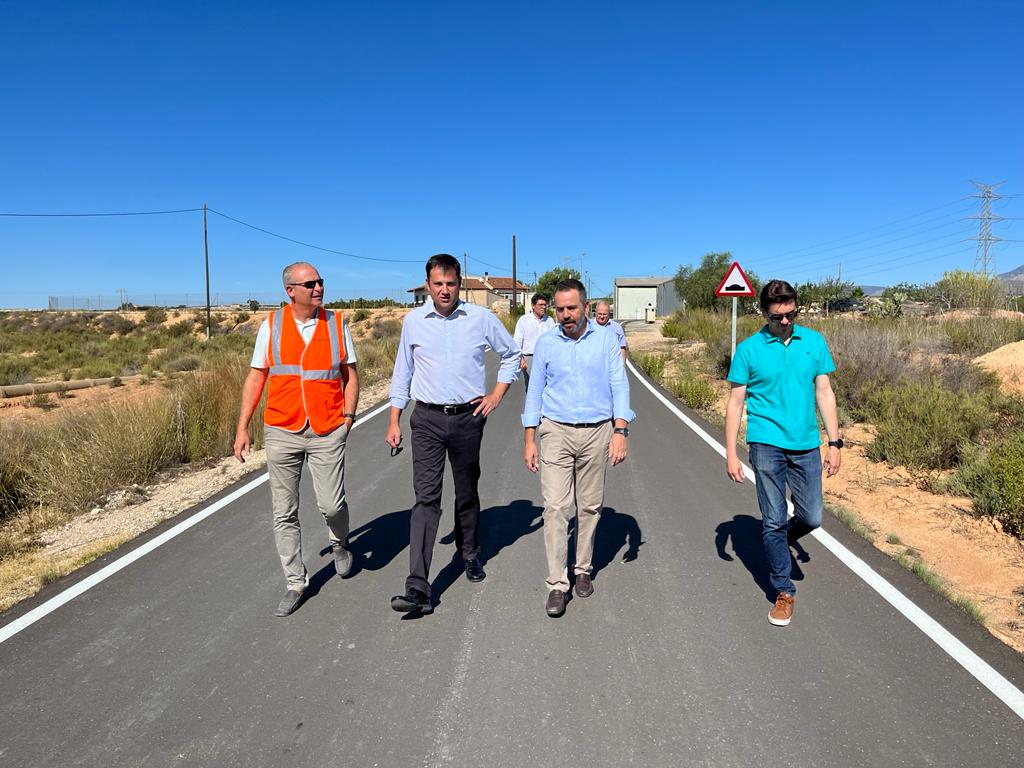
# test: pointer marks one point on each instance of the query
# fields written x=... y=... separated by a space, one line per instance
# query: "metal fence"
x=170 y=300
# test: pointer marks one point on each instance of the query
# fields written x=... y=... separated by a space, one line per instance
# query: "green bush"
x=994 y=479
x=359 y=315
x=155 y=315
x=184 y=363
x=694 y=390
x=652 y=363
x=14 y=370
x=97 y=369
x=180 y=328
x=924 y=425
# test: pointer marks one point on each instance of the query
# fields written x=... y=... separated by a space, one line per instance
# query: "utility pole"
x=514 y=285
x=206 y=255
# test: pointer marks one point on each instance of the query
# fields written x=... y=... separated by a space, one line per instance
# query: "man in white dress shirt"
x=531 y=327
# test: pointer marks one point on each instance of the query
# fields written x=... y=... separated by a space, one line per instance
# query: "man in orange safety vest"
x=306 y=353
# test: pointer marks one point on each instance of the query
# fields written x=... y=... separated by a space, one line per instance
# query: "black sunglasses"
x=791 y=316
x=309 y=284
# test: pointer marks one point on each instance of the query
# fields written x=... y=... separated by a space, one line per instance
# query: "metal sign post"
x=733 y=353
x=735 y=284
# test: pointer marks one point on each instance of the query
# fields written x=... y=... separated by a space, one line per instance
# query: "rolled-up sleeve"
x=401 y=377
x=503 y=344
x=619 y=383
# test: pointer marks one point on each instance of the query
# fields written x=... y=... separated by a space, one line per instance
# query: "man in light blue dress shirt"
x=440 y=364
x=578 y=402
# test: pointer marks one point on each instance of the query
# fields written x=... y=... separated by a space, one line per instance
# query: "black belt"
x=451 y=410
x=591 y=424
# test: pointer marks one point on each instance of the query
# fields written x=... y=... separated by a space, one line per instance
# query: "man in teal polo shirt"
x=781 y=373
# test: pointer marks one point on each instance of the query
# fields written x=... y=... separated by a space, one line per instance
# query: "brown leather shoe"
x=782 y=611
x=584 y=585
x=556 y=603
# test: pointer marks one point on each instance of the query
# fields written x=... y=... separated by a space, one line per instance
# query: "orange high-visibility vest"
x=306 y=380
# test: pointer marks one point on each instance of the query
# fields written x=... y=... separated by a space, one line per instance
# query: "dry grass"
x=54 y=469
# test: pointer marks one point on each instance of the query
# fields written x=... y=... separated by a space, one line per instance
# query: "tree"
x=696 y=285
x=254 y=306
x=959 y=289
x=828 y=293
x=546 y=283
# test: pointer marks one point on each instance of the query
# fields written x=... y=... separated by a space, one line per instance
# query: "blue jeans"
x=774 y=467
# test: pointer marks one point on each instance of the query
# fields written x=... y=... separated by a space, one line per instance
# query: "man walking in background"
x=781 y=373
x=308 y=356
x=531 y=327
x=578 y=402
x=603 y=315
x=440 y=364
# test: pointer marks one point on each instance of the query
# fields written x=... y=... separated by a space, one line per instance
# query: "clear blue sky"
x=643 y=134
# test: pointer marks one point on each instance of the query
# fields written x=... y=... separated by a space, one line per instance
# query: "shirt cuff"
x=507 y=378
x=530 y=419
x=399 y=403
x=628 y=416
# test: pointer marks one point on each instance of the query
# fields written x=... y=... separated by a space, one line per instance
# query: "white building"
x=633 y=294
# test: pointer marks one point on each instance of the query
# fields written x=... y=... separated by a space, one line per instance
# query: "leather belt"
x=591 y=424
x=451 y=410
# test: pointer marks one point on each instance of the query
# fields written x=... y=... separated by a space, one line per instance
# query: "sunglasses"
x=791 y=316
x=310 y=284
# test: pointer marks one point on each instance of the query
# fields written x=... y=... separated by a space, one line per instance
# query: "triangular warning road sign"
x=735 y=283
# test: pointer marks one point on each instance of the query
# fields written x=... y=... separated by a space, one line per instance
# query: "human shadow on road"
x=378 y=542
x=745 y=532
x=614 y=531
x=500 y=527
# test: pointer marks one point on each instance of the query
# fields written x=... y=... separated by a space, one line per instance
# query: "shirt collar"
x=769 y=337
x=590 y=330
x=459 y=307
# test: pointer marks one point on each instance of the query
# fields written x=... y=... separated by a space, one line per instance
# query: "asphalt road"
x=177 y=659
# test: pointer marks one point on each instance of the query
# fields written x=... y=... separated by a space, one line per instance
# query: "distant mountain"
x=1015 y=274
x=872 y=290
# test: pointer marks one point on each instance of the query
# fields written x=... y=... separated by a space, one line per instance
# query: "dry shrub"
x=53 y=470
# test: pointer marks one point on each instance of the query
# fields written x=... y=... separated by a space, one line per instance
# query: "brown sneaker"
x=584 y=585
x=782 y=611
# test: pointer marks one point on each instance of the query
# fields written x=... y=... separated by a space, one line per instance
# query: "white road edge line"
x=984 y=673
x=69 y=594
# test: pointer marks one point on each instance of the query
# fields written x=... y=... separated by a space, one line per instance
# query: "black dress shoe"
x=474 y=571
x=556 y=603
x=412 y=600
x=289 y=603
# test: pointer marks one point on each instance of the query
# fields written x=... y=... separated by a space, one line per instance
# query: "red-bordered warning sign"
x=735 y=283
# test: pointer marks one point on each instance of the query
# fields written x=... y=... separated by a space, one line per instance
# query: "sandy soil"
x=973 y=555
x=1007 y=363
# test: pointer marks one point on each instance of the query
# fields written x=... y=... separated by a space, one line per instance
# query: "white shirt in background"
x=529 y=329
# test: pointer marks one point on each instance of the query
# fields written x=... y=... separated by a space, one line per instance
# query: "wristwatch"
x=837 y=443
x=351 y=416
x=624 y=431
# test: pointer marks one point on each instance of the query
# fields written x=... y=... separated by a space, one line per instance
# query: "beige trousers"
x=325 y=455
x=573 y=461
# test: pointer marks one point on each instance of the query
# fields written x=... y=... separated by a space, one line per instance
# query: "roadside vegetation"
x=58 y=466
x=911 y=378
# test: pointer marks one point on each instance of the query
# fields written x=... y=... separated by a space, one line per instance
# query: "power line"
x=952 y=219
x=311 y=245
x=84 y=215
x=871 y=229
